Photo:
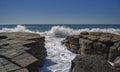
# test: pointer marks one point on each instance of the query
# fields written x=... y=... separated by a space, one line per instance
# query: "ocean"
x=59 y=58
x=46 y=27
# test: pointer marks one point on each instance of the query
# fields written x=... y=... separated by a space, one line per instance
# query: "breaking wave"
x=60 y=31
x=18 y=28
x=59 y=58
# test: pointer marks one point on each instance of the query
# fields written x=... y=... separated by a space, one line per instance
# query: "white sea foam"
x=61 y=31
x=19 y=28
x=59 y=58
x=59 y=55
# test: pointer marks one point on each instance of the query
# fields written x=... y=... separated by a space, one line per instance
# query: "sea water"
x=59 y=58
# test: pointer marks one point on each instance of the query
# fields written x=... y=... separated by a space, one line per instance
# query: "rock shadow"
x=47 y=63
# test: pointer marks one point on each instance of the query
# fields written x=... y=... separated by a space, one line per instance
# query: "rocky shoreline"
x=21 y=52
x=25 y=52
x=106 y=45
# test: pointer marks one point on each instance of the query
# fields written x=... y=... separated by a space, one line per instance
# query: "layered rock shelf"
x=106 y=45
x=21 y=52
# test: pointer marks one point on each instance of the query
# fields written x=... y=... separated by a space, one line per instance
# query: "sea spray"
x=18 y=28
x=59 y=55
x=60 y=31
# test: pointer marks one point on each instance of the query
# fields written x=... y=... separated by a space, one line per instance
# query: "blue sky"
x=59 y=11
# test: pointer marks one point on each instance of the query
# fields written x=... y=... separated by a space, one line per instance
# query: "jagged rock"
x=117 y=63
x=91 y=63
x=113 y=53
x=72 y=42
x=95 y=43
x=85 y=46
x=21 y=52
x=90 y=47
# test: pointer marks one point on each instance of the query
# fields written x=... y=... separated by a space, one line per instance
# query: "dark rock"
x=114 y=53
x=21 y=52
x=117 y=63
x=84 y=33
x=3 y=37
x=91 y=63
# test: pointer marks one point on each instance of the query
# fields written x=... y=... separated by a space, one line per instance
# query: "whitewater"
x=59 y=58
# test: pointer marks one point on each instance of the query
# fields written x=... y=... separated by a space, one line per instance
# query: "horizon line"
x=53 y=23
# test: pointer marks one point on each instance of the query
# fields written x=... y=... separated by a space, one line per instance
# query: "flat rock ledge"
x=95 y=43
x=21 y=52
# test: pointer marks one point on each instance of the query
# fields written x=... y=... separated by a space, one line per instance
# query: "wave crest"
x=18 y=28
x=60 y=31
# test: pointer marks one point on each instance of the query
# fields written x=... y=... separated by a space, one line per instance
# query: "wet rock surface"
x=21 y=52
x=94 y=43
